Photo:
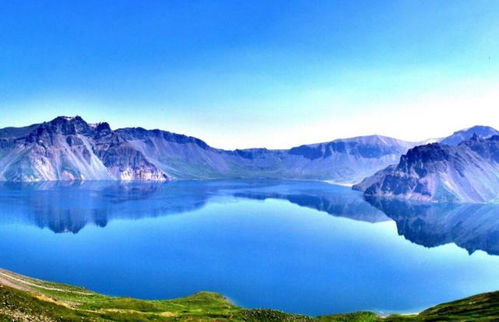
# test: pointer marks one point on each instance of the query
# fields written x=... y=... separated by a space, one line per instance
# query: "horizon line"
x=424 y=141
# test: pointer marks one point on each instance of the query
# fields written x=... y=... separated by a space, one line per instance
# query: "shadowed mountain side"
x=469 y=226
x=467 y=173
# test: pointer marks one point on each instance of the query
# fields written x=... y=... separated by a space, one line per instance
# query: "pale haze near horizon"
x=417 y=118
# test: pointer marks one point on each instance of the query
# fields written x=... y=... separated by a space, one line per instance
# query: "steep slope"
x=180 y=156
x=71 y=149
x=466 y=134
x=468 y=172
x=344 y=160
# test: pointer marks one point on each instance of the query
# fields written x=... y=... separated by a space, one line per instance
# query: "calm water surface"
x=305 y=247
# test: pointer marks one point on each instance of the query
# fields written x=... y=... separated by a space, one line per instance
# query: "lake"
x=297 y=246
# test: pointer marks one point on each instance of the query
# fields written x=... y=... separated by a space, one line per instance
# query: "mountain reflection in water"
x=69 y=207
x=469 y=226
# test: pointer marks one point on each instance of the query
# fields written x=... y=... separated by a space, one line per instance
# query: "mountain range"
x=68 y=148
x=463 y=167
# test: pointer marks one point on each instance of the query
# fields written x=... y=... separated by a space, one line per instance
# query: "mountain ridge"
x=68 y=148
x=468 y=172
x=466 y=134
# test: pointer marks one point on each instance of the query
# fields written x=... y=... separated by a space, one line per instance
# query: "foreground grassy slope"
x=26 y=299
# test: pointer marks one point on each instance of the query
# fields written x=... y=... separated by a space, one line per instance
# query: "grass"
x=481 y=307
x=27 y=299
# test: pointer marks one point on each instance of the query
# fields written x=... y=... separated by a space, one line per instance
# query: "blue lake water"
x=304 y=247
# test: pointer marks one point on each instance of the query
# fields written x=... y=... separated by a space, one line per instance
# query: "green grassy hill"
x=27 y=299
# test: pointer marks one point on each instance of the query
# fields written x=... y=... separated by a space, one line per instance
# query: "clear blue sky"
x=254 y=73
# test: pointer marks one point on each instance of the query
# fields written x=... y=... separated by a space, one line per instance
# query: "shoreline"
x=50 y=301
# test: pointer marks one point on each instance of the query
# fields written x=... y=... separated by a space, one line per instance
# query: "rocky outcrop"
x=468 y=172
x=68 y=148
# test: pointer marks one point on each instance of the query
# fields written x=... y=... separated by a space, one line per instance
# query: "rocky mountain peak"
x=468 y=172
x=67 y=126
x=480 y=131
x=102 y=129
